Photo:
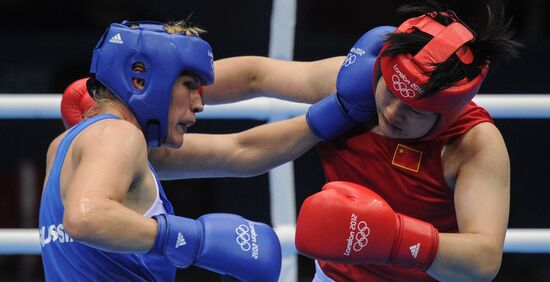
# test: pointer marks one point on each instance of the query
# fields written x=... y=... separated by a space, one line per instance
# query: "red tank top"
x=408 y=174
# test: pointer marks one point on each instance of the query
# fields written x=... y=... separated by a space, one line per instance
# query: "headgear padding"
x=164 y=57
x=405 y=74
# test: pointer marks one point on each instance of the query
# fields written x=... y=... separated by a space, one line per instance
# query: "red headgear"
x=405 y=74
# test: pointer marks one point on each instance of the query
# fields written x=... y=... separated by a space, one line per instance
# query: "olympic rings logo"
x=400 y=86
x=361 y=236
x=350 y=59
x=243 y=237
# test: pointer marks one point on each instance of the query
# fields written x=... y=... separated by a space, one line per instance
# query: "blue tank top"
x=65 y=259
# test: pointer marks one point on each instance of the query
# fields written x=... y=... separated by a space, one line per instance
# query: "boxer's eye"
x=192 y=84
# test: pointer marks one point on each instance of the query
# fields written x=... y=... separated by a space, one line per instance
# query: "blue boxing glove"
x=353 y=101
x=224 y=243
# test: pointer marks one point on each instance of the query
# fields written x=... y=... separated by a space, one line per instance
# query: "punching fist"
x=224 y=243
x=353 y=101
x=349 y=223
x=75 y=102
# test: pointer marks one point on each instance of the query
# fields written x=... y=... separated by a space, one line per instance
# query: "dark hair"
x=493 y=43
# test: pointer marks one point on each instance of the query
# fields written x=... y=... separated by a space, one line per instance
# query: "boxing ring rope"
x=25 y=241
x=281 y=179
x=46 y=106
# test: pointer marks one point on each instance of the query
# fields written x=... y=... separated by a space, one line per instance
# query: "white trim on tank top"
x=158 y=206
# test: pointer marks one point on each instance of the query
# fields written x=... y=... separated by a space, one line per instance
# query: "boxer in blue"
x=104 y=215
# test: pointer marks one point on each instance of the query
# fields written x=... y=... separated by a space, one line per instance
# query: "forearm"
x=110 y=226
x=268 y=146
x=466 y=257
x=240 y=78
x=234 y=78
x=243 y=154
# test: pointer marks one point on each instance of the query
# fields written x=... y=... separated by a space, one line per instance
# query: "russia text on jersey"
x=54 y=234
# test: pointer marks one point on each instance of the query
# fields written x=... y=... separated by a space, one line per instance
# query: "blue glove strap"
x=178 y=239
x=327 y=119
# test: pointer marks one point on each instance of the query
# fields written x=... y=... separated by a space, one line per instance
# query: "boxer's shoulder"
x=111 y=139
x=113 y=131
x=54 y=145
x=479 y=138
x=52 y=150
x=484 y=138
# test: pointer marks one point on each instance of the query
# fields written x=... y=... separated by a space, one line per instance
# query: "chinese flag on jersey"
x=407 y=158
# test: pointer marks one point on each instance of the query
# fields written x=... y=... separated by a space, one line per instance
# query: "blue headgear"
x=164 y=56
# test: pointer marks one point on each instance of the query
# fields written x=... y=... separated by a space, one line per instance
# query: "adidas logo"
x=414 y=250
x=181 y=240
x=117 y=39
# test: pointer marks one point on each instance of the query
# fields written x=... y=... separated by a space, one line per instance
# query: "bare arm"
x=247 y=153
x=257 y=150
x=482 y=195
x=240 y=78
x=112 y=159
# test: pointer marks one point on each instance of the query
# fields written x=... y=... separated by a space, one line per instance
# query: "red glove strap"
x=418 y=244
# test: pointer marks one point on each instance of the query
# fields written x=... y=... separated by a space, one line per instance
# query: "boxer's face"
x=397 y=119
x=185 y=102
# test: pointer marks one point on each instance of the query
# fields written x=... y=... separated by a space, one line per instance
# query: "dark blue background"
x=46 y=45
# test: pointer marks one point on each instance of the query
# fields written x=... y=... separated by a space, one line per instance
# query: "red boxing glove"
x=75 y=102
x=349 y=223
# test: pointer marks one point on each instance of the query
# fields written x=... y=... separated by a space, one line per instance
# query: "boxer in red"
x=429 y=171
x=433 y=156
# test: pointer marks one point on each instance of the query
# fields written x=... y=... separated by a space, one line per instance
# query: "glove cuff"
x=178 y=239
x=328 y=119
x=417 y=245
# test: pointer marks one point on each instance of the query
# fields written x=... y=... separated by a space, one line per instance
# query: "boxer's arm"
x=482 y=193
x=240 y=78
x=247 y=153
x=111 y=154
